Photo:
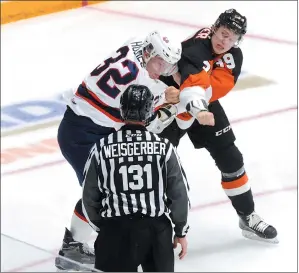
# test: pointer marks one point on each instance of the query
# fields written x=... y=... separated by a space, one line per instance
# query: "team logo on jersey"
x=133 y=135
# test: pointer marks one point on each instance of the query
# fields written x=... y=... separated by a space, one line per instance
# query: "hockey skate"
x=253 y=227
x=71 y=250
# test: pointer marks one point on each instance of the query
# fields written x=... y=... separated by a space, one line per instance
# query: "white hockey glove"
x=199 y=110
x=196 y=106
x=162 y=118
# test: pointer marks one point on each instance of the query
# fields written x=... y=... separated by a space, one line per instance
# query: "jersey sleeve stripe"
x=94 y=101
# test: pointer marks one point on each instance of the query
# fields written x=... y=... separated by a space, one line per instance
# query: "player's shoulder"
x=135 y=42
x=110 y=138
x=237 y=53
x=204 y=33
x=135 y=45
x=199 y=44
x=199 y=36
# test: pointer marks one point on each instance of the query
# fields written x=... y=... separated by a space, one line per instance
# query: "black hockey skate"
x=74 y=256
x=253 y=227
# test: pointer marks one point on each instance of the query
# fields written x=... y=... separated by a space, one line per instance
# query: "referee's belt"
x=133 y=216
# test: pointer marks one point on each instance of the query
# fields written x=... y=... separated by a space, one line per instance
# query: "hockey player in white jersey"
x=138 y=61
x=93 y=112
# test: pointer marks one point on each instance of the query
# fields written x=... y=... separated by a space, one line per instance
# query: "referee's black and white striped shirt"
x=133 y=170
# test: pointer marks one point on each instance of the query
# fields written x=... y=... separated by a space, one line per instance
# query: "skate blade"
x=252 y=236
x=64 y=264
x=66 y=270
x=85 y=268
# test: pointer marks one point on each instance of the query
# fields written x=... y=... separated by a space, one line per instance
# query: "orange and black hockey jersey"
x=199 y=66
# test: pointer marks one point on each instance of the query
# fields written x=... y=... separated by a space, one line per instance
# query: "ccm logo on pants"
x=223 y=131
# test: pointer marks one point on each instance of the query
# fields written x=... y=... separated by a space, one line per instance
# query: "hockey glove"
x=162 y=118
x=199 y=110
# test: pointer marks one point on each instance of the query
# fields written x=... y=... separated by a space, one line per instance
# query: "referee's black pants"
x=124 y=243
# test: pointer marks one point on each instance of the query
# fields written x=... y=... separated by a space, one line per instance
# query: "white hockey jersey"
x=98 y=97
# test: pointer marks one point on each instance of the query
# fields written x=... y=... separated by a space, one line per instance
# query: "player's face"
x=223 y=40
x=156 y=66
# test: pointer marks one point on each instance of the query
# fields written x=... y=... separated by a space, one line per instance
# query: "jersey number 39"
x=226 y=61
x=130 y=70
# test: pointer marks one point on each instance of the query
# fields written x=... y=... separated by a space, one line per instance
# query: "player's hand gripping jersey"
x=205 y=75
x=98 y=97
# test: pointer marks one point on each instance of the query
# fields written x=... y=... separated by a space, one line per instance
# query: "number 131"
x=138 y=173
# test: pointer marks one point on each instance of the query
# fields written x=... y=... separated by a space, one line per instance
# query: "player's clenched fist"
x=199 y=110
x=172 y=95
x=205 y=118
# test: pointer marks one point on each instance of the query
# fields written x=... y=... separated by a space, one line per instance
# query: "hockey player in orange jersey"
x=209 y=68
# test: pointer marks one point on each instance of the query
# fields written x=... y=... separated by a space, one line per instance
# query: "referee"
x=132 y=179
